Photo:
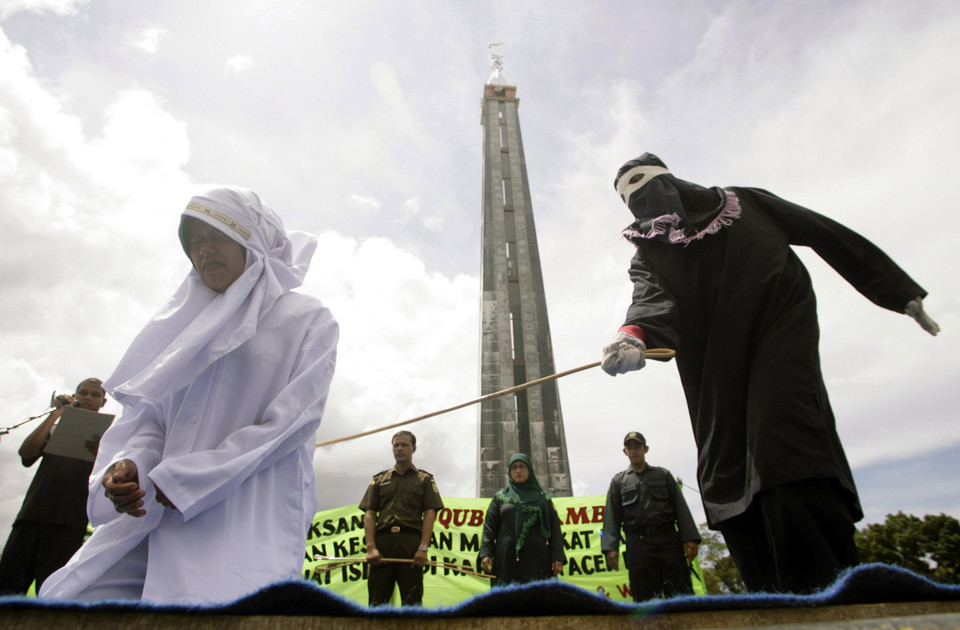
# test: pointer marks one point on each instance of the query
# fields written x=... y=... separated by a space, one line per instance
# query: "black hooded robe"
x=739 y=308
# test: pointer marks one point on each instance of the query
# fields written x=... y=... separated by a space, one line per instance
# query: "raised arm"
x=864 y=265
x=32 y=446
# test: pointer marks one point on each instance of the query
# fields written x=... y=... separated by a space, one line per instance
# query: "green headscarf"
x=529 y=499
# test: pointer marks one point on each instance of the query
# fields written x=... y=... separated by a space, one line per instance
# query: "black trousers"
x=34 y=551
x=657 y=566
x=793 y=538
x=381 y=578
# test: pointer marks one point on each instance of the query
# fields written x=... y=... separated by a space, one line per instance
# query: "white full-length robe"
x=234 y=453
x=222 y=394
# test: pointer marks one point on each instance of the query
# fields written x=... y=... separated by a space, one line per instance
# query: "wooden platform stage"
x=912 y=615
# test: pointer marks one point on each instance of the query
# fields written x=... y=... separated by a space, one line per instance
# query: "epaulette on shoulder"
x=422 y=474
x=381 y=473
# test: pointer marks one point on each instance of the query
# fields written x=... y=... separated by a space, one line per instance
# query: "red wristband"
x=635 y=331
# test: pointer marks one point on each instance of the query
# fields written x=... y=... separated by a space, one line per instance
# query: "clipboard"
x=76 y=427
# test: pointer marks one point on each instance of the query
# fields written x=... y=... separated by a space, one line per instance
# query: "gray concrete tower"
x=515 y=344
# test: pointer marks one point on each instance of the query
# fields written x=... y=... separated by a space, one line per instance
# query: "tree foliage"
x=719 y=571
x=928 y=546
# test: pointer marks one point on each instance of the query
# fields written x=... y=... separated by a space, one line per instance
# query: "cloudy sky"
x=360 y=121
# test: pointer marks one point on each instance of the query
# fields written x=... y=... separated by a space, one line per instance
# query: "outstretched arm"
x=864 y=265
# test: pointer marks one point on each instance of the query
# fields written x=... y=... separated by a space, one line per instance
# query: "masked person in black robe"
x=522 y=540
x=714 y=277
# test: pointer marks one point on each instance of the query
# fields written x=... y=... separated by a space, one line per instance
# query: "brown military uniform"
x=399 y=502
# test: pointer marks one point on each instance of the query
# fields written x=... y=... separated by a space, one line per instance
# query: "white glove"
x=625 y=353
x=914 y=309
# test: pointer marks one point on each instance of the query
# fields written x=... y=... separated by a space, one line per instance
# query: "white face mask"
x=636 y=178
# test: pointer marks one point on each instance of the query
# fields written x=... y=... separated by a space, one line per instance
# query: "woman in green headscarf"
x=522 y=541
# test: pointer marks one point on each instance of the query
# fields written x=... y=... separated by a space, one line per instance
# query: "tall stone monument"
x=515 y=344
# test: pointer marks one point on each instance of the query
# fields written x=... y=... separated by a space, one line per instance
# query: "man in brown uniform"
x=400 y=507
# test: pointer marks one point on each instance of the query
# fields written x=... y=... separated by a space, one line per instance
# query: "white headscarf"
x=198 y=325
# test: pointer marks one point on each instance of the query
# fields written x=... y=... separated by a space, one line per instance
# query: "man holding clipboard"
x=53 y=518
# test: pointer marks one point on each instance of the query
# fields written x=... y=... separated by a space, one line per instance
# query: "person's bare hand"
x=690 y=550
x=613 y=560
x=419 y=558
x=373 y=556
x=62 y=400
x=487 y=564
x=164 y=501
x=92 y=444
x=557 y=568
x=122 y=486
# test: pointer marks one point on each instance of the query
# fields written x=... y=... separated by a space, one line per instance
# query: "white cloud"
x=36 y=120
x=238 y=64
x=55 y=7
x=412 y=211
x=395 y=113
x=81 y=267
x=8 y=157
x=411 y=207
x=434 y=224
x=364 y=203
x=407 y=347
x=148 y=40
x=385 y=81
x=142 y=145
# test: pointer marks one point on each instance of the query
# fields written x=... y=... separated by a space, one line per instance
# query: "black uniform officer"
x=400 y=507
x=661 y=535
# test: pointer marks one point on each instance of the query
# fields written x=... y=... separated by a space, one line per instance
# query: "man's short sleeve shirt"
x=58 y=493
x=401 y=500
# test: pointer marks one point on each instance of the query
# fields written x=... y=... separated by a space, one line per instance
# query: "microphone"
x=62 y=400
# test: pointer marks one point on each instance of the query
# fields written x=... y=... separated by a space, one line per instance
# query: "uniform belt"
x=654 y=530
x=396 y=529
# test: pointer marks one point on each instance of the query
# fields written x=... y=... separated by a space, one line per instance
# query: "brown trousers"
x=382 y=577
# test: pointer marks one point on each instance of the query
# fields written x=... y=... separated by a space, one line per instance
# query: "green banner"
x=338 y=533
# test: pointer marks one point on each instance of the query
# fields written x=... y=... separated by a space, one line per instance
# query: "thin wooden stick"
x=445 y=565
x=337 y=563
x=333 y=566
x=658 y=354
x=336 y=559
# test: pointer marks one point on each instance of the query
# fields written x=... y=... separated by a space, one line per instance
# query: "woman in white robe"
x=223 y=393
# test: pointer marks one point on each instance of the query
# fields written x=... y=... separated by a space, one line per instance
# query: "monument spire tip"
x=496 y=62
